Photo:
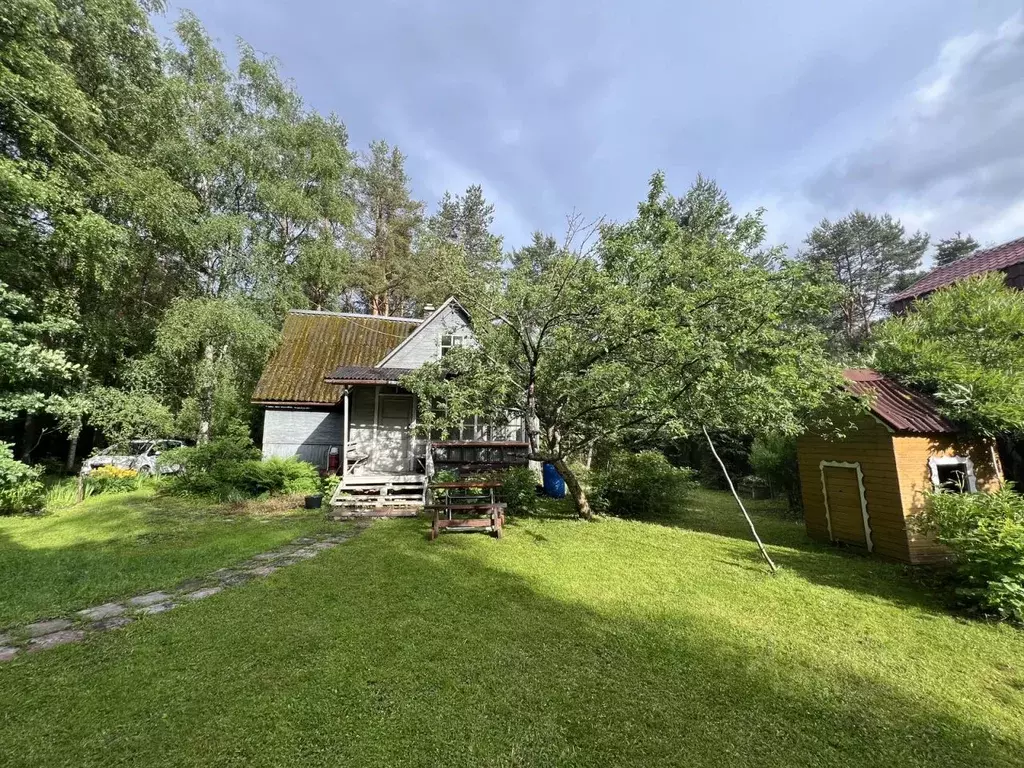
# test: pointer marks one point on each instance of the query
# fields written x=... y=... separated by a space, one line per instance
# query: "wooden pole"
x=743 y=509
x=80 y=494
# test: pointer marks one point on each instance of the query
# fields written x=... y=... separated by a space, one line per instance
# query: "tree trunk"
x=28 y=439
x=579 y=496
x=69 y=464
x=206 y=395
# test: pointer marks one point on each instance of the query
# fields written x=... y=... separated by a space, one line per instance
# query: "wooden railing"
x=479 y=454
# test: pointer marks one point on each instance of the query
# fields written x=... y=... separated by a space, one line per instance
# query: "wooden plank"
x=469 y=484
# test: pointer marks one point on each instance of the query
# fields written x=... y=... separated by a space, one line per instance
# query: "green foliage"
x=125 y=414
x=870 y=256
x=61 y=493
x=230 y=468
x=274 y=475
x=965 y=346
x=954 y=248
x=519 y=490
x=21 y=488
x=985 y=532
x=641 y=485
x=773 y=459
x=34 y=372
x=387 y=274
x=111 y=479
x=603 y=344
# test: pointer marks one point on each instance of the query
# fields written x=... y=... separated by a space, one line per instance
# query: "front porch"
x=385 y=465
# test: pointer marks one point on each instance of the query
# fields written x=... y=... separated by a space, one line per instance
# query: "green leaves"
x=964 y=345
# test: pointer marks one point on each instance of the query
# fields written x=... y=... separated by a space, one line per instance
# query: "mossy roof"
x=313 y=344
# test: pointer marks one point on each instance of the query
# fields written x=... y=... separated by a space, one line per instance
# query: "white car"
x=140 y=455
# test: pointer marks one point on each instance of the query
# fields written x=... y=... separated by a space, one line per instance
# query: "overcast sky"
x=804 y=107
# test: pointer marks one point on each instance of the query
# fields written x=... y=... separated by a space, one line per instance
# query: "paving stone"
x=100 y=612
x=157 y=608
x=46 y=627
x=54 y=639
x=114 y=622
x=8 y=653
x=267 y=556
x=150 y=599
x=199 y=594
x=321 y=545
x=264 y=570
x=233 y=578
x=191 y=585
x=6 y=639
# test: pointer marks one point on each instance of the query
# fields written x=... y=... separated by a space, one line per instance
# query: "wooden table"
x=467 y=511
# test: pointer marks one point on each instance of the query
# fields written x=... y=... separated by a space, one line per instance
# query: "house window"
x=450 y=341
x=953 y=474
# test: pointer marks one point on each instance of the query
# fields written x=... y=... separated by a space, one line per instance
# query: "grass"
x=114 y=546
x=565 y=644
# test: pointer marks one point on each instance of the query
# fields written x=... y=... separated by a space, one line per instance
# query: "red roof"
x=897 y=406
x=989 y=260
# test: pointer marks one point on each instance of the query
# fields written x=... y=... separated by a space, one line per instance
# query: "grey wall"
x=425 y=345
x=308 y=434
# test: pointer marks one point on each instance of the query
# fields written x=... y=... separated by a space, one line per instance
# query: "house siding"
x=912 y=455
x=308 y=434
x=870 y=445
x=425 y=345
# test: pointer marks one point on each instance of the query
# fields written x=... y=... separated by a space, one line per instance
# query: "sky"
x=808 y=109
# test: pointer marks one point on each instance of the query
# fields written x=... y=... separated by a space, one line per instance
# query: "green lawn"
x=115 y=546
x=604 y=644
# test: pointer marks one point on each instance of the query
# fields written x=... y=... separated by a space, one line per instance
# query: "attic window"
x=450 y=341
x=953 y=474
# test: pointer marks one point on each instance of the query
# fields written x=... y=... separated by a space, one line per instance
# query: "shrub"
x=519 y=490
x=111 y=479
x=230 y=469
x=985 y=532
x=256 y=477
x=640 y=485
x=21 y=489
x=773 y=459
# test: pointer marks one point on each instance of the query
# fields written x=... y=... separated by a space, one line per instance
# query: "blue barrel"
x=554 y=485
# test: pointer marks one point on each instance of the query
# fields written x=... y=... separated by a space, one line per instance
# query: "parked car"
x=140 y=455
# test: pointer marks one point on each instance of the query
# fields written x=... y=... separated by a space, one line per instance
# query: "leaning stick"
x=743 y=509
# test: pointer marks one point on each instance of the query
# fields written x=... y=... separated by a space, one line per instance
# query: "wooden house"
x=863 y=490
x=333 y=388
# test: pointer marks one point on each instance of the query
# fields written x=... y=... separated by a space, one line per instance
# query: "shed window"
x=450 y=341
x=953 y=474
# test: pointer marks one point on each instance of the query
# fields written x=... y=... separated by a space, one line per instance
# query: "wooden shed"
x=861 y=490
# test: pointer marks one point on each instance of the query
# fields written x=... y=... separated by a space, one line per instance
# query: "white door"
x=394 y=434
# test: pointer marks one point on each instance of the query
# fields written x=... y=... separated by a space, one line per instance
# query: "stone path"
x=49 y=633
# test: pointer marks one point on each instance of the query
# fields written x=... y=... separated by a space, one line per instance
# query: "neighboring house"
x=864 y=488
x=1007 y=258
x=332 y=388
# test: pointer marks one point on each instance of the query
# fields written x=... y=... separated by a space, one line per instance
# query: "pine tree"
x=954 y=248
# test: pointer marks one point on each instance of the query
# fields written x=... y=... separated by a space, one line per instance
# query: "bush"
x=519 y=491
x=256 y=477
x=985 y=532
x=111 y=479
x=773 y=459
x=640 y=485
x=230 y=468
x=21 y=490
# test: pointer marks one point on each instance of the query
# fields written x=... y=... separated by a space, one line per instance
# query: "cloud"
x=952 y=154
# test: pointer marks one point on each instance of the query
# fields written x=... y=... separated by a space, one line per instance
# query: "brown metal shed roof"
x=897 y=406
x=313 y=344
x=361 y=374
x=990 y=260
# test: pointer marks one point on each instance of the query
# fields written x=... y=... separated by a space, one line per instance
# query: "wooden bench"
x=467 y=511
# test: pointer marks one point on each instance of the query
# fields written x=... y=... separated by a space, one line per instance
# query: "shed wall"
x=912 y=455
x=870 y=445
